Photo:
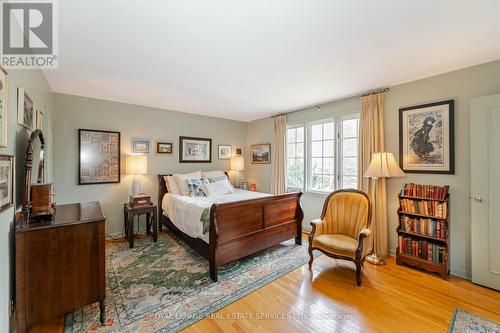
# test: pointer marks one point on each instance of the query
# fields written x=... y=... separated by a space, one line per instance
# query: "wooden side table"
x=129 y=214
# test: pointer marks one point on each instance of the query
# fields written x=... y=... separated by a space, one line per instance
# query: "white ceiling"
x=248 y=59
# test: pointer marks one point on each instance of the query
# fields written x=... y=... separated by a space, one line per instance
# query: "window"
x=295 y=157
x=323 y=155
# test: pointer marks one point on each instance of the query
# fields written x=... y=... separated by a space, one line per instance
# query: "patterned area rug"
x=165 y=286
x=465 y=322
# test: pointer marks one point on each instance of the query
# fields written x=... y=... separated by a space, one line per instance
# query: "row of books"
x=425 y=191
x=431 y=208
x=423 y=226
x=423 y=249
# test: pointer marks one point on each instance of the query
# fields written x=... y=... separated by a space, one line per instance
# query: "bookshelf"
x=423 y=228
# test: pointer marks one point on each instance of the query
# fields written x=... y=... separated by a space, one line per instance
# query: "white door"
x=485 y=190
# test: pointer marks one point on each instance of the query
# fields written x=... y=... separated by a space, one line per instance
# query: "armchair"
x=342 y=231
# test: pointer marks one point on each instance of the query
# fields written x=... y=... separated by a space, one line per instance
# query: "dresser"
x=60 y=264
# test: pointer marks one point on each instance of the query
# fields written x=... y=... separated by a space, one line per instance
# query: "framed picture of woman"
x=426 y=138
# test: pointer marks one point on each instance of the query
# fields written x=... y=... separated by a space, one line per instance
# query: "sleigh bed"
x=240 y=228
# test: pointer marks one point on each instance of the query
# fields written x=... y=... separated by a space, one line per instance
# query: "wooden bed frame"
x=241 y=228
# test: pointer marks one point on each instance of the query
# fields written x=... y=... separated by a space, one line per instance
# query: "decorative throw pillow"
x=172 y=187
x=195 y=185
x=217 y=188
x=181 y=180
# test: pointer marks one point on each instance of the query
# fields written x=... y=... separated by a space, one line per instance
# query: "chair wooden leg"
x=311 y=257
x=358 y=272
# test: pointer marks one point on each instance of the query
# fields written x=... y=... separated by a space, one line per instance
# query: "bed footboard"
x=238 y=229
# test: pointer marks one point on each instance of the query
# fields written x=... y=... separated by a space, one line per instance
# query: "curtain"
x=278 y=182
x=371 y=140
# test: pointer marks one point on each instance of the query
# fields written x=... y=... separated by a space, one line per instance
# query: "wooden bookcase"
x=420 y=238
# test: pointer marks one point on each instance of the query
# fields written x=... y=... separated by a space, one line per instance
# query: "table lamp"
x=136 y=165
x=382 y=165
x=237 y=165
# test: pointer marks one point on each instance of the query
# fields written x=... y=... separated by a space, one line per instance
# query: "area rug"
x=165 y=286
x=465 y=322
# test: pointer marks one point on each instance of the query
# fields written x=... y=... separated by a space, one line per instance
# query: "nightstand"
x=129 y=214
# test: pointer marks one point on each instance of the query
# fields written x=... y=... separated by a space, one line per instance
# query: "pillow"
x=195 y=185
x=181 y=180
x=213 y=174
x=217 y=188
x=218 y=179
x=172 y=187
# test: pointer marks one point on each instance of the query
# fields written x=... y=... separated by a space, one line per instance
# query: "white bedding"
x=185 y=212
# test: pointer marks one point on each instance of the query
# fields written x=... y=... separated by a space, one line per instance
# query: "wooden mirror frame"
x=36 y=134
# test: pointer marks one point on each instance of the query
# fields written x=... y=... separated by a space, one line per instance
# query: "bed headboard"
x=162 y=186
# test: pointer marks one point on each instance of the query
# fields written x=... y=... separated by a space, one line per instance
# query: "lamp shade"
x=136 y=164
x=237 y=163
x=383 y=165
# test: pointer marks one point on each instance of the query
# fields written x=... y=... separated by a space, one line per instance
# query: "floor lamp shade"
x=382 y=165
x=136 y=165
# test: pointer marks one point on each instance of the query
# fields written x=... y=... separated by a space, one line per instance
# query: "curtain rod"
x=318 y=107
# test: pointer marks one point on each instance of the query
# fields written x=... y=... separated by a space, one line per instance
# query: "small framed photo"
x=164 y=147
x=244 y=185
x=39 y=120
x=224 y=152
x=6 y=181
x=426 y=138
x=25 y=107
x=195 y=150
x=141 y=146
x=261 y=153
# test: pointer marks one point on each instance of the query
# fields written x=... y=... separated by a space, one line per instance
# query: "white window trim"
x=338 y=156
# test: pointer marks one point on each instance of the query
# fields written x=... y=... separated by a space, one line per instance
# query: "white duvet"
x=185 y=212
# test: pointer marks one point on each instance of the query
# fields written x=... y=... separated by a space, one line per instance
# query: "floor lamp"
x=382 y=165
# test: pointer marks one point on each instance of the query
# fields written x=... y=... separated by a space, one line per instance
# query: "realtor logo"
x=29 y=34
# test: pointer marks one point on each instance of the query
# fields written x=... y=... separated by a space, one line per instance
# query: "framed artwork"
x=261 y=154
x=25 y=107
x=3 y=107
x=195 y=150
x=244 y=185
x=141 y=146
x=164 y=147
x=98 y=157
x=6 y=181
x=224 y=152
x=39 y=120
x=426 y=138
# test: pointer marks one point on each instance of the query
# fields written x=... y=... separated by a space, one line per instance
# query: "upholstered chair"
x=342 y=231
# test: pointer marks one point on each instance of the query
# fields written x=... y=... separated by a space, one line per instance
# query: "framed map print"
x=98 y=157
x=426 y=138
x=6 y=181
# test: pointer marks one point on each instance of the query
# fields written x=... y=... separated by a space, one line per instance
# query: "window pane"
x=291 y=150
x=350 y=128
x=328 y=131
x=350 y=147
x=350 y=182
x=350 y=166
x=291 y=135
x=300 y=150
x=316 y=132
x=295 y=173
x=316 y=182
x=316 y=165
x=316 y=150
x=300 y=134
x=328 y=148
x=329 y=166
x=328 y=183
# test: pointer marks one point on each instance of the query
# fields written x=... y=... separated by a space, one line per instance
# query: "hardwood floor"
x=391 y=299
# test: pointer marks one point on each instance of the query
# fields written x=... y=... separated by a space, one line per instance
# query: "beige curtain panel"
x=371 y=140
x=278 y=182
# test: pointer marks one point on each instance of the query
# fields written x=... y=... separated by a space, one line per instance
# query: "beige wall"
x=462 y=86
x=72 y=113
x=35 y=84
